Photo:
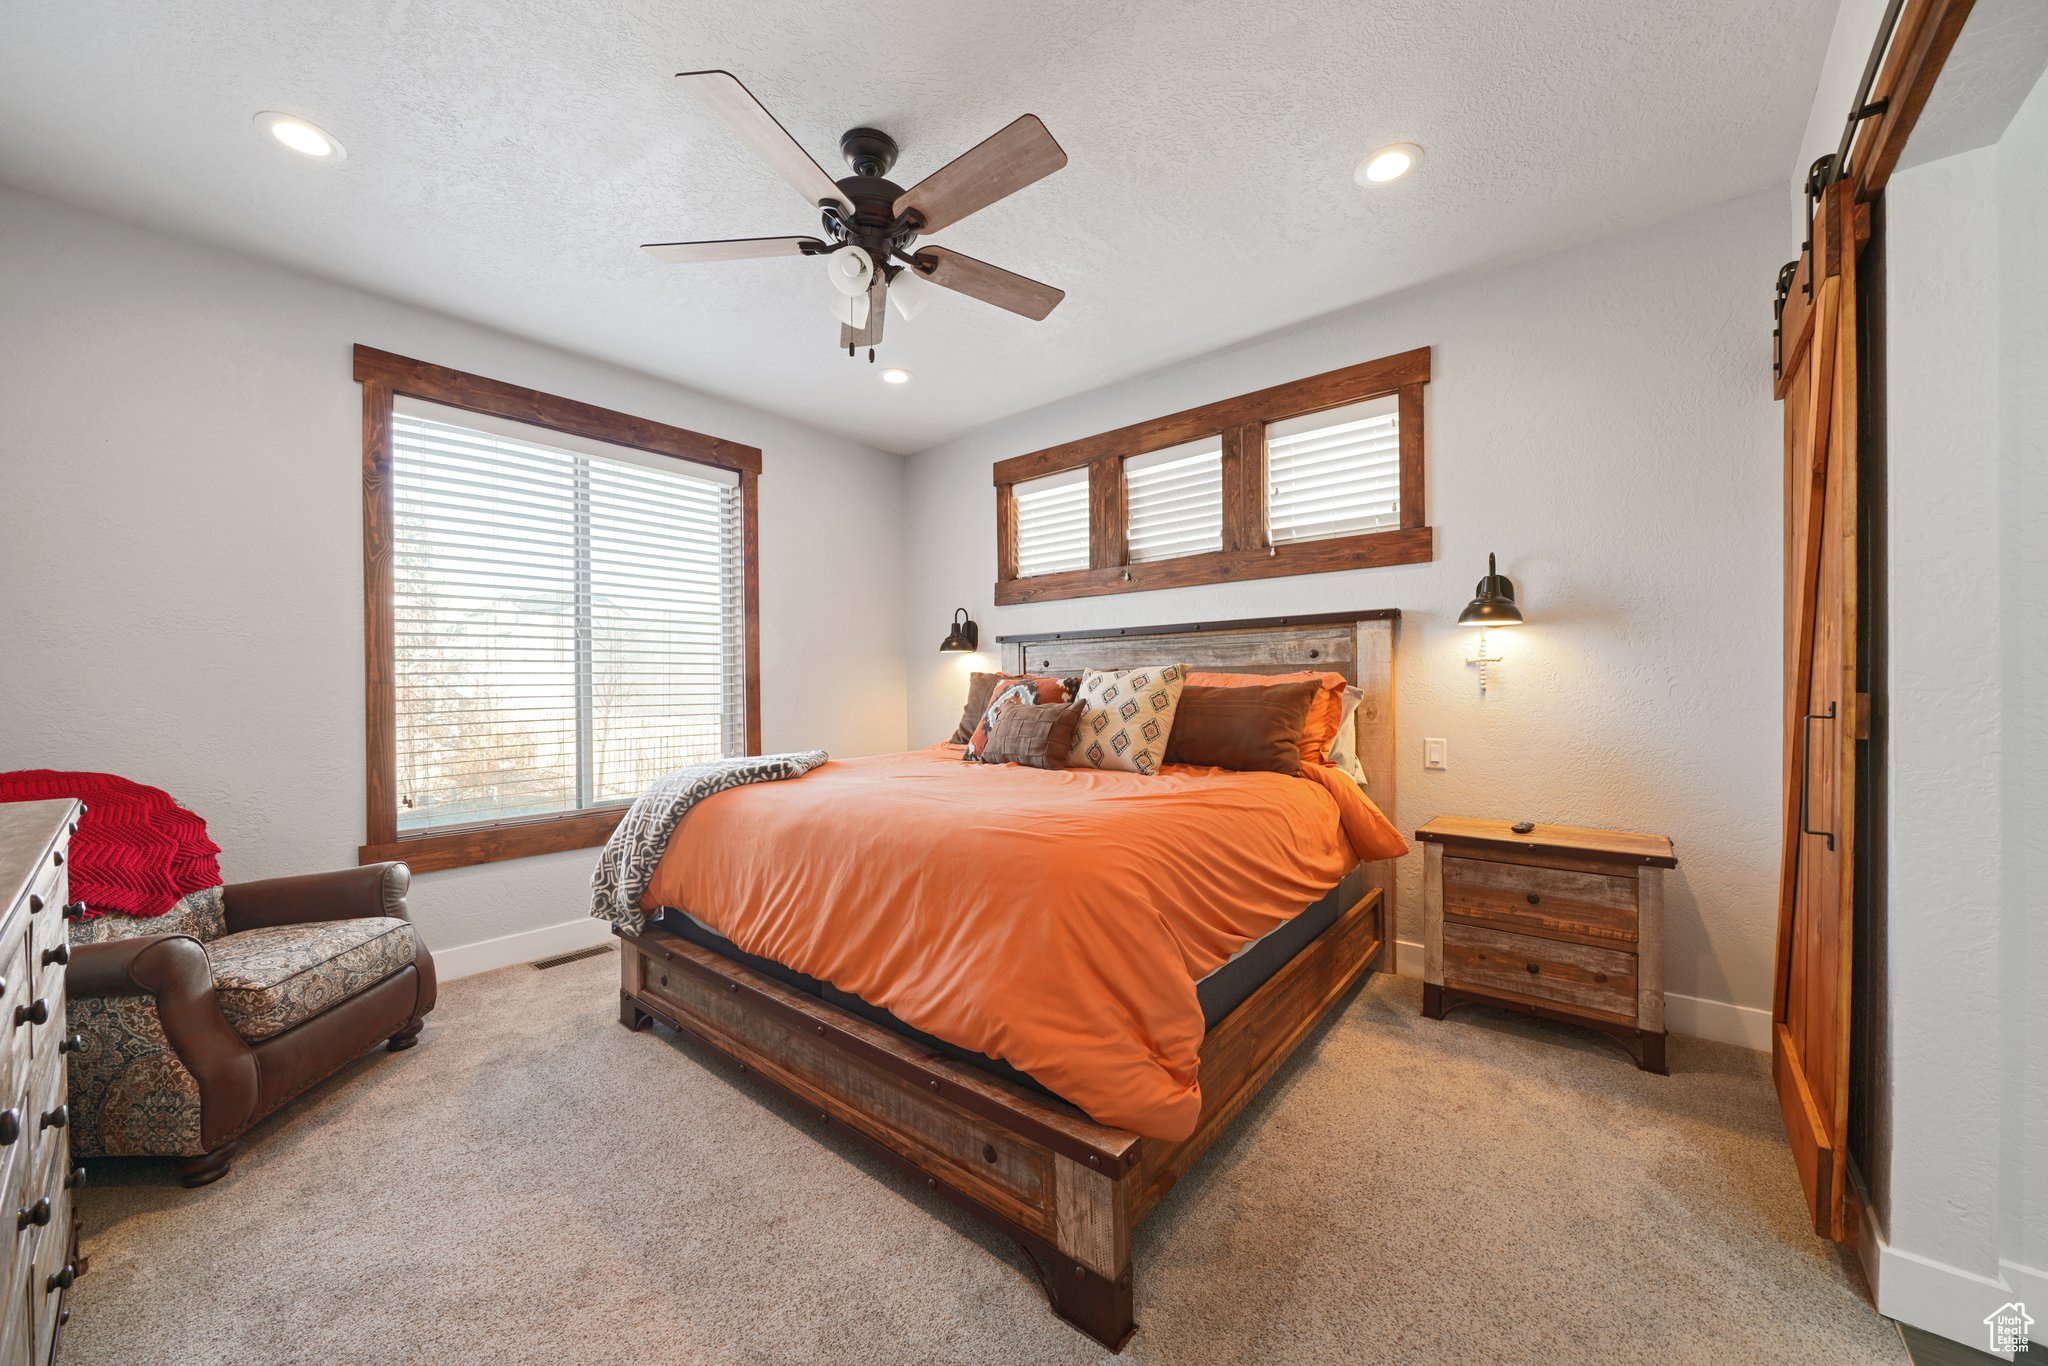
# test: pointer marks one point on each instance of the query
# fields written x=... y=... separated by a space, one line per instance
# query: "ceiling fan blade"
x=724 y=96
x=878 y=299
x=990 y=284
x=731 y=249
x=1019 y=155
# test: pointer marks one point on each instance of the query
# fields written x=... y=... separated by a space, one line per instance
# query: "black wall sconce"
x=1493 y=604
x=964 y=637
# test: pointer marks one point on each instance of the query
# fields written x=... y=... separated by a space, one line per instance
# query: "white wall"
x=182 y=562
x=1968 y=523
x=1601 y=418
x=2023 y=671
x=1841 y=71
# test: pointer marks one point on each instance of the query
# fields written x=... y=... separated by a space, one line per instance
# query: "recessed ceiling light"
x=895 y=375
x=300 y=136
x=1388 y=163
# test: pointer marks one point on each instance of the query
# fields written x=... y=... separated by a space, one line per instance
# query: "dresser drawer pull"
x=37 y=1214
x=10 y=1125
x=36 y=1012
x=61 y=955
x=57 y=1118
x=74 y=1044
x=1534 y=968
x=75 y=1181
x=75 y=911
x=58 y=858
x=62 y=1278
x=35 y=903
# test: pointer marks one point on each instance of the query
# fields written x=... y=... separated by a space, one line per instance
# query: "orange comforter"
x=1058 y=920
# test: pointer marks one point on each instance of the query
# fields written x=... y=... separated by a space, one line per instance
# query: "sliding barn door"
x=1810 y=1034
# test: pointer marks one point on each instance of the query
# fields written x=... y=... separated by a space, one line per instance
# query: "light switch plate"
x=1436 y=754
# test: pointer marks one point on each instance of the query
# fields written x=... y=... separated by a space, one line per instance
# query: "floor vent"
x=593 y=951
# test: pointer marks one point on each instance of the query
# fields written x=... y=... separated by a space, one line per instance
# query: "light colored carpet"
x=534 y=1184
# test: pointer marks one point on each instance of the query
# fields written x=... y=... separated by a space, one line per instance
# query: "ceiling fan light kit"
x=871 y=224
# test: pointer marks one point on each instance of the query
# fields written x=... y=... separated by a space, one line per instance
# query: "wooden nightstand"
x=1561 y=922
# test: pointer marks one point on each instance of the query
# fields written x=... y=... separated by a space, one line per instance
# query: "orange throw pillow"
x=1325 y=714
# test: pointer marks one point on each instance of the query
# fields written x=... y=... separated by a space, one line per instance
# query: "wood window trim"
x=1240 y=423
x=383 y=377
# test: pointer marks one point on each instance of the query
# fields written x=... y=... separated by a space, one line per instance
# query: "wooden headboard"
x=1358 y=645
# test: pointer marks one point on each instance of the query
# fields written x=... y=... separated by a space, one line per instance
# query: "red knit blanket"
x=136 y=851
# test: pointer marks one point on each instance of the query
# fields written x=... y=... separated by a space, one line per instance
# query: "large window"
x=1322 y=474
x=559 y=606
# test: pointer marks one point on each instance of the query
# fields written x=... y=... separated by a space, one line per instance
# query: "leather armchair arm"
x=375 y=889
x=173 y=968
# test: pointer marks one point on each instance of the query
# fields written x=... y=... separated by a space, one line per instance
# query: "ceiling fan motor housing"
x=874 y=225
x=870 y=151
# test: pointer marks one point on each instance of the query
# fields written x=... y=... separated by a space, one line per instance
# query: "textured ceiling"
x=506 y=156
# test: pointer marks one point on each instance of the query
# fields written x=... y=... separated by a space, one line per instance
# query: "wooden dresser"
x=39 y=1235
x=1558 y=921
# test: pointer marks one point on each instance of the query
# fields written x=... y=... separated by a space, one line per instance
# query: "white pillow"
x=1342 y=755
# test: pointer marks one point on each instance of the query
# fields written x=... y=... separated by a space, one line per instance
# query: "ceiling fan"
x=871 y=224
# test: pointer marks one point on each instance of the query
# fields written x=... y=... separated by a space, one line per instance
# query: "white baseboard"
x=466 y=960
x=1947 y=1300
x=1722 y=1021
x=1407 y=959
x=1941 y=1299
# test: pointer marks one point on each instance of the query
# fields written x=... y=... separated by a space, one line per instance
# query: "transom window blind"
x=1334 y=473
x=1052 y=523
x=1174 y=501
x=568 y=618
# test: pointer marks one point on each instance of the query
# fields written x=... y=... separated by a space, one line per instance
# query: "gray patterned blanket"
x=627 y=863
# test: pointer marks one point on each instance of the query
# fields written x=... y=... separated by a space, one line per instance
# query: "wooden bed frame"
x=1068 y=1190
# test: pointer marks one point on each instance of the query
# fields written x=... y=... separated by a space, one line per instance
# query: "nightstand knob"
x=37 y=1214
x=1534 y=899
x=1533 y=968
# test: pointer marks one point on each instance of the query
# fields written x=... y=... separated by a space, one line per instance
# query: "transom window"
x=1335 y=473
x=1320 y=474
x=1174 y=501
x=1052 y=523
x=557 y=620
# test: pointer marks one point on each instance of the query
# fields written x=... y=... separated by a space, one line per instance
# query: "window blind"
x=1174 y=501
x=1052 y=523
x=1334 y=473
x=568 y=618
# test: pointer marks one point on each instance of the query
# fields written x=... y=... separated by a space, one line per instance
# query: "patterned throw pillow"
x=1026 y=691
x=1126 y=718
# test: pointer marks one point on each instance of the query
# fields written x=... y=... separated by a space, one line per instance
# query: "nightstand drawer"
x=1579 y=977
x=1589 y=907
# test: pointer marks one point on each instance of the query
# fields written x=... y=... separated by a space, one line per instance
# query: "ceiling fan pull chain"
x=871 y=355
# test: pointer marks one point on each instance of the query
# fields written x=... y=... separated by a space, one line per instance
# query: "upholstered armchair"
x=195 y=1025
